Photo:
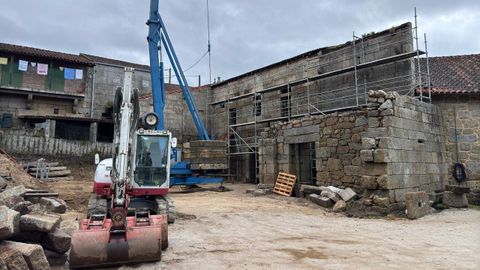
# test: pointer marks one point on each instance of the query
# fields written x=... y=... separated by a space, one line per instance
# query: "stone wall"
x=392 y=146
x=462 y=111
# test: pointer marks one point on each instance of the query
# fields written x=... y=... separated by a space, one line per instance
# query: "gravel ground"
x=233 y=230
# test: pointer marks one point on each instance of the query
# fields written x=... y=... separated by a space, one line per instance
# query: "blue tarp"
x=69 y=73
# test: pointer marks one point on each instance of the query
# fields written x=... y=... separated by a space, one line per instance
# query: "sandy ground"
x=233 y=230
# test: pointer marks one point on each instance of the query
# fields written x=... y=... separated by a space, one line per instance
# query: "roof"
x=458 y=74
x=314 y=52
x=46 y=54
x=109 y=61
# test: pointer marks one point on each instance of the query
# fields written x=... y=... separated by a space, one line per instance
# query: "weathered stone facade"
x=394 y=145
x=463 y=143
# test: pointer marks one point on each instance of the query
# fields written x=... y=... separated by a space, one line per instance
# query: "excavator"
x=128 y=215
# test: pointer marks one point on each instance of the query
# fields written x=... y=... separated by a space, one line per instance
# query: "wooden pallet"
x=284 y=184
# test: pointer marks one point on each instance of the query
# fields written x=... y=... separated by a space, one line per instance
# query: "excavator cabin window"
x=151 y=160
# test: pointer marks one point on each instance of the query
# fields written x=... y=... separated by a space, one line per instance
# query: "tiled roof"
x=459 y=74
x=104 y=60
x=45 y=54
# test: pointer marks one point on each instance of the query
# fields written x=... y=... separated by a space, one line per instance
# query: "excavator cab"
x=152 y=159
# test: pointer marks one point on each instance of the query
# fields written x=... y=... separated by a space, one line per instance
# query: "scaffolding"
x=248 y=113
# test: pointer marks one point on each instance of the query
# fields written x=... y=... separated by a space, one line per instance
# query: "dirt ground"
x=233 y=230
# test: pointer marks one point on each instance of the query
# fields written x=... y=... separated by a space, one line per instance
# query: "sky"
x=245 y=34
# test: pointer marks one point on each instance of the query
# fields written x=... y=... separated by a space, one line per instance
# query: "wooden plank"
x=284 y=184
x=60 y=168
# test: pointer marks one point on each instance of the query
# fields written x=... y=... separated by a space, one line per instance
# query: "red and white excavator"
x=133 y=228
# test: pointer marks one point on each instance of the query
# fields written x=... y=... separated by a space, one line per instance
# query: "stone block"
x=347 y=194
x=53 y=205
x=417 y=204
x=22 y=207
x=54 y=258
x=29 y=237
x=9 y=222
x=12 y=196
x=306 y=190
x=366 y=155
x=12 y=258
x=58 y=241
x=33 y=254
x=368 y=182
x=322 y=201
x=361 y=121
x=334 y=164
x=381 y=156
x=382 y=181
x=38 y=222
x=454 y=200
x=457 y=189
x=368 y=143
x=331 y=195
x=339 y=206
x=386 y=105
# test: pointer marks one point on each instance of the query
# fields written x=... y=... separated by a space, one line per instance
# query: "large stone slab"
x=33 y=254
x=57 y=241
x=9 y=222
x=12 y=196
x=12 y=258
x=305 y=190
x=41 y=223
x=417 y=204
x=347 y=194
x=454 y=200
x=53 y=205
x=331 y=195
x=457 y=189
x=322 y=201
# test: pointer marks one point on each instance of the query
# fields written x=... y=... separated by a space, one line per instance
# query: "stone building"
x=54 y=114
x=31 y=96
x=455 y=84
x=317 y=82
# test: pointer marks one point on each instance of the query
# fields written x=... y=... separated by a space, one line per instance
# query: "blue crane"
x=158 y=36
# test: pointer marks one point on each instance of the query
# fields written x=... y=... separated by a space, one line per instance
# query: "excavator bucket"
x=94 y=245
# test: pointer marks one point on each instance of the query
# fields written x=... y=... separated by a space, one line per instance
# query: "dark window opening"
x=105 y=132
x=232 y=116
x=258 y=105
x=73 y=130
x=303 y=164
x=285 y=106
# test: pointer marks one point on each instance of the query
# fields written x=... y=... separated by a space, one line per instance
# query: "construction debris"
x=30 y=238
x=451 y=199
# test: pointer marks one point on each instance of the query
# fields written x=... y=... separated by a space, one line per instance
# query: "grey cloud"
x=245 y=34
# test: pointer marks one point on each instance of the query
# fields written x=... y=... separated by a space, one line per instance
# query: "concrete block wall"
x=393 y=146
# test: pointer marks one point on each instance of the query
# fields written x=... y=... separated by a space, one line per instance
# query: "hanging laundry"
x=3 y=60
x=69 y=73
x=61 y=68
x=33 y=64
x=42 y=69
x=79 y=74
x=22 y=65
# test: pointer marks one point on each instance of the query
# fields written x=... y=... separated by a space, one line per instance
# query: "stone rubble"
x=30 y=237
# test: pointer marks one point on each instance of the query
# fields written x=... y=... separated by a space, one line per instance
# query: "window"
x=257 y=105
x=284 y=106
x=151 y=160
x=232 y=116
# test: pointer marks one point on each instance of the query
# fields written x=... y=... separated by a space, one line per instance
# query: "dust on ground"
x=233 y=230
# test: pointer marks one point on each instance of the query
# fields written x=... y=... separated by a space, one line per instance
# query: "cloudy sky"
x=245 y=34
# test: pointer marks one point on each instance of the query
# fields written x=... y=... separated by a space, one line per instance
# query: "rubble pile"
x=260 y=190
x=30 y=237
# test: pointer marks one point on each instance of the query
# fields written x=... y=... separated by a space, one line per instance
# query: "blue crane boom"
x=158 y=36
